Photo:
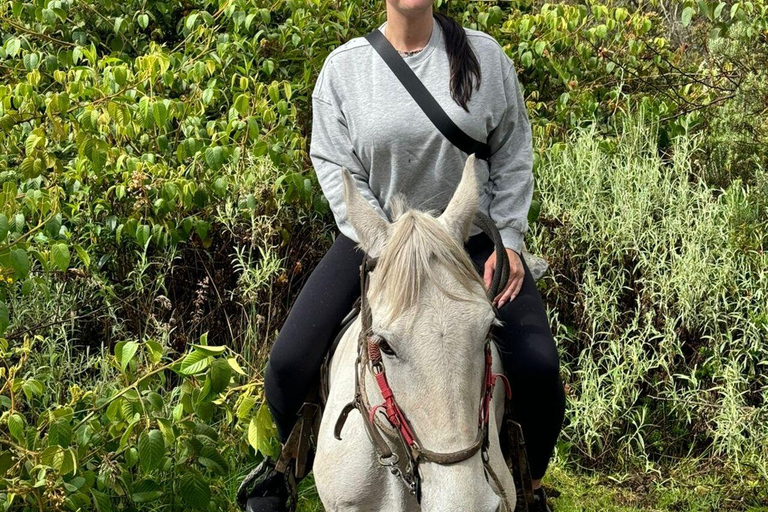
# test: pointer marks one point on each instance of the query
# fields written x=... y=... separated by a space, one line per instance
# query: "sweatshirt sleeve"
x=511 y=166
x=331 y=149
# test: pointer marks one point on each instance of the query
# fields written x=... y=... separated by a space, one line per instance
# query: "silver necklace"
x=408 y=53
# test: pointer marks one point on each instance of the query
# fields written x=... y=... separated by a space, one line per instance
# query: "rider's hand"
x=515 y=282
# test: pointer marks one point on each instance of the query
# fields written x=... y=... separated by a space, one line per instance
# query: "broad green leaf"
x=235 y=365
x=195 y=362
x=102 y=501
x=142 y=234
x=12 y=46
x=245 y=406
x=166 y=428
x=160 y=113
x=143 y=21
x=214 y=157
x=83 y=255
x=213 y=460
x=124 y=352
x=68 y=462
x=154 y=351
x=61 y=256
x=221 y=373
x=687 y=15
x=190 y=21
x=212 y=350
x=194 y=489
x=151 y=449
x=146 y=491
x=20 y=263
x=32 y=388
x=253 y=433
x=3 y=227
x=60 y=432
x=4 y=318
x=16 y=426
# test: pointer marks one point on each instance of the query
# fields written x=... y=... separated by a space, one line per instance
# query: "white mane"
x=418 y=246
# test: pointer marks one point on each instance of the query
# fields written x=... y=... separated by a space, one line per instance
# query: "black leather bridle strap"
x=424 y=98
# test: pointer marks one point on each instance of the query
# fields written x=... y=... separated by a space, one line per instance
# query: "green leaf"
x=16 y=426
x=142 y=234
x=20 y=263
x=214 y=461
x=526 y=59
x=245 y=406
x=60 y=432
x=68 y=462
x=145 y=491
x=5 y=318
x=214 y=157
x=60 y=255
x=102 y=501
x=83 y=255
x=195 y=362
x=220 y=186
x=160 y=112
x=235 y=365
x=194 y=490
x=190 y=21
x=253 y=433
x=124 y=352
x=687 y=15
x=3 y=226
x=534 y=211
x=154 y=351
x=221 y=373
x=268 y=66
x=12 y=46
x=31 y=60
x=151 y=449
x=32 y=388
x=166 y=427
x=212 y=350
x=143 y=20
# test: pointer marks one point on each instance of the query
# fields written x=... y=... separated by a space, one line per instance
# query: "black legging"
x=525 y=343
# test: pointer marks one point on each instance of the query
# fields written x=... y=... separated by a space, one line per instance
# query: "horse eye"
x=385 y=348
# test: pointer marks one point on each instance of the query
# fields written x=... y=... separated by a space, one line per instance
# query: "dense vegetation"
x=158 y=213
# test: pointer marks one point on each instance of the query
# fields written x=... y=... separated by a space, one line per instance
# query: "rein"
x=369 y=359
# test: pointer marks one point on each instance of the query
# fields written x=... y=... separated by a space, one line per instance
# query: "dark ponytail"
x=465 y=69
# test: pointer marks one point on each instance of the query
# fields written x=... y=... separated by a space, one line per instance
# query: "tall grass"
x=658 y=298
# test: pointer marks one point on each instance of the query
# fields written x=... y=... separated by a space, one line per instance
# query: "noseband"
x=369 y=359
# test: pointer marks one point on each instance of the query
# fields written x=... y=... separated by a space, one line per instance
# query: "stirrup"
x=298 y=447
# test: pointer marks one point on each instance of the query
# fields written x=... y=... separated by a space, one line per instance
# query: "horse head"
x=430 y=307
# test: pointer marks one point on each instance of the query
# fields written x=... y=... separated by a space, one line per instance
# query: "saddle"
x=298 y=452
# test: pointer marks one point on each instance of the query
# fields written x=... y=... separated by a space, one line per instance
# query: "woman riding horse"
x=366 y=122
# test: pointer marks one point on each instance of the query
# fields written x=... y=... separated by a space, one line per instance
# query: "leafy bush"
x=659 y=306
x=141 y=432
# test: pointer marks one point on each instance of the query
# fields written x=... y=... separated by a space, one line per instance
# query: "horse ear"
x=372 y=230
x=460 y=212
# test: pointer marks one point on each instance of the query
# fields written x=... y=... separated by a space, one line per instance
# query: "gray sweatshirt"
x=365 y=120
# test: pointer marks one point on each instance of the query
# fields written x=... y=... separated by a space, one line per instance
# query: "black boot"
x=539 y=501
x=267 y=490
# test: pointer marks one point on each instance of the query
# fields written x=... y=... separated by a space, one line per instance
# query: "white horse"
x=430 y=306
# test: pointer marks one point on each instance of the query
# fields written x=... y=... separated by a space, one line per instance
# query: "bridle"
x=369 y=358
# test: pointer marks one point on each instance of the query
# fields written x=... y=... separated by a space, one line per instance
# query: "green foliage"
x=659 y=309
x=159 y=432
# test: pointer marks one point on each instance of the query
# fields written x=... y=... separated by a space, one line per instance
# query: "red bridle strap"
x=396 y=416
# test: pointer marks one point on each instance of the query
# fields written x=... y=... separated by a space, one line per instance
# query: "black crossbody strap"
x=424 y=99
